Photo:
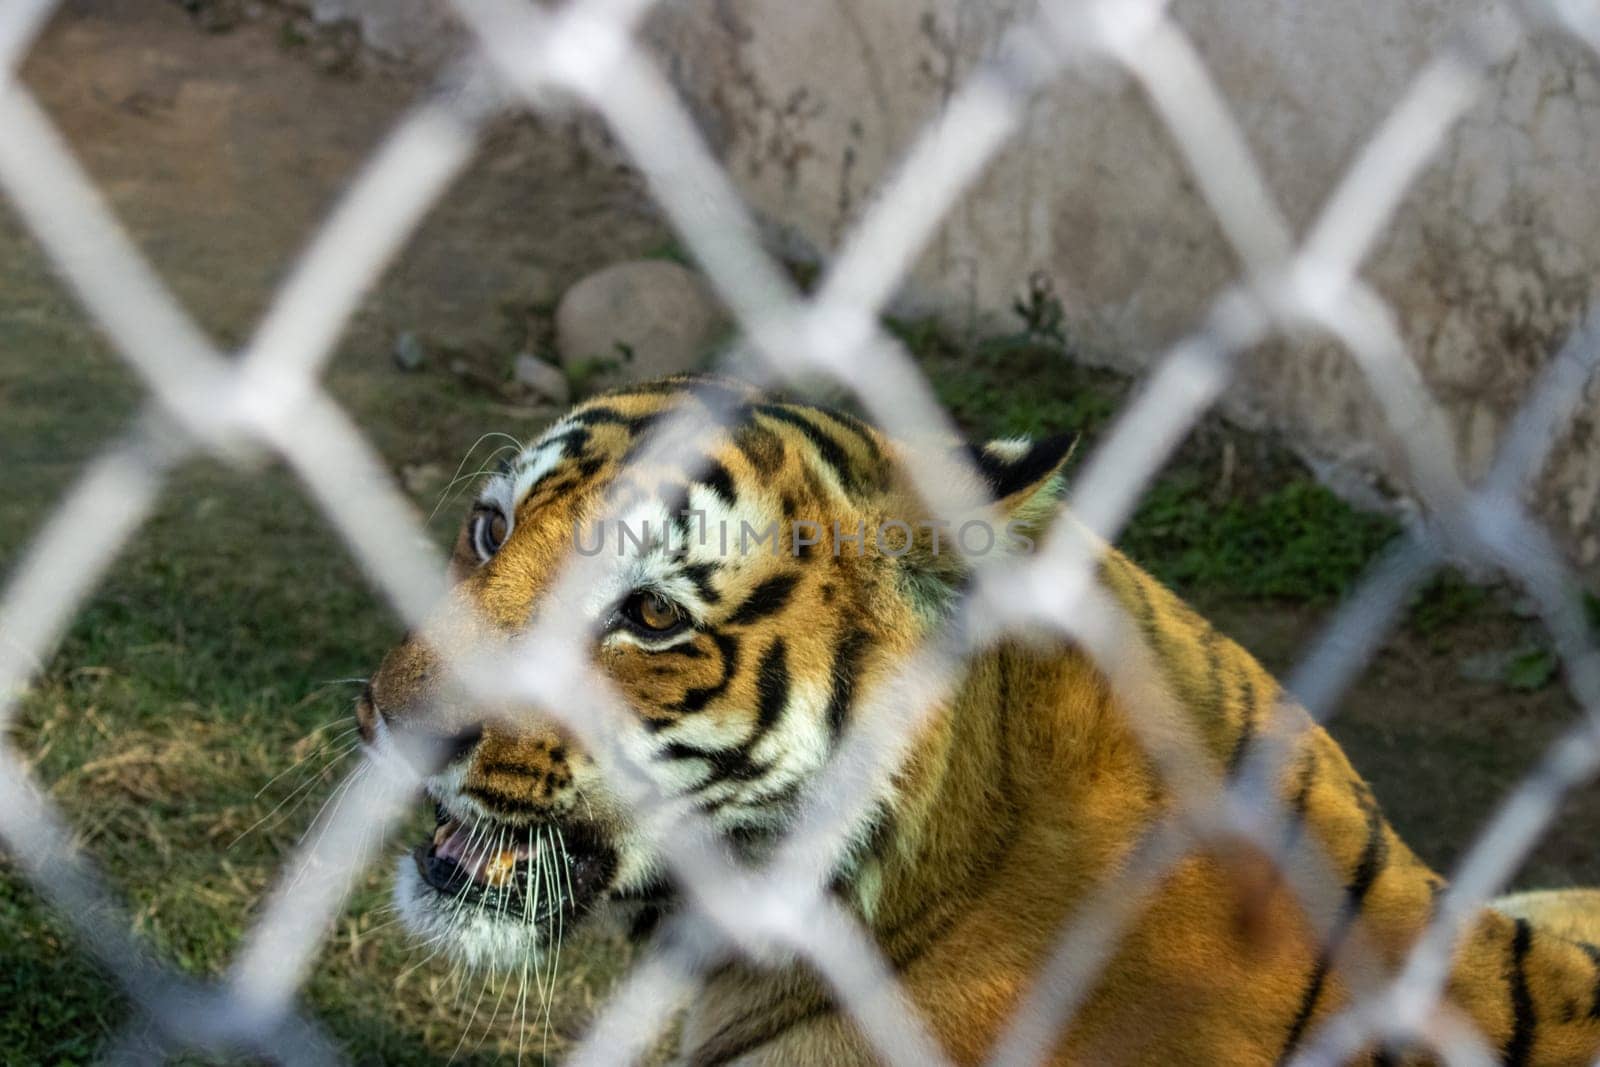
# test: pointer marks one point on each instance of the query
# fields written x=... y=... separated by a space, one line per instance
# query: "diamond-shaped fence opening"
x=269 y=399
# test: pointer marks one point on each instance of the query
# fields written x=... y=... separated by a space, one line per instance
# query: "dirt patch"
x=1442 y=748
x=222 y=152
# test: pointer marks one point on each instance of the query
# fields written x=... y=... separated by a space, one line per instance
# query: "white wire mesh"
x=270 y=401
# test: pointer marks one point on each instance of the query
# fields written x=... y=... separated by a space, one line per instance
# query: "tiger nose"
x=430 y=751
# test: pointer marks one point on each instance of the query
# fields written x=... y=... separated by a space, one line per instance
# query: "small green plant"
x=291 y=36
x=1447 y=600
x=1591 y=610
x=1531 y=669
x=1041 y=311
x=672 y=251
x=585 y=373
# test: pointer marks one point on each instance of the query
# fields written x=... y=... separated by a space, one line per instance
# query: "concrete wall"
x=1491 y=260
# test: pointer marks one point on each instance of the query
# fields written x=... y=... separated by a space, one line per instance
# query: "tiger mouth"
x=532 y=873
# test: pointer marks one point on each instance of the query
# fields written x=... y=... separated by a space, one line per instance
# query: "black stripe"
x=1374 y=855
x=1247 y=729
x=700 y=574
x=603 y=416
x=768 y=598
x=772 y=696
x=675 y=501
x=1519 y=1043
x=854 y=424
x=846 y=662
x=719 y=481
x=772 y=799
x=572 y=444
x=721 y=397
x=696 y=699
x=1303 y=783
x=644 y=924
x=1308 y=1004
x=1593 y=953
x=772 y=691
x=500 y=801
x=831 y=452
x=1144 y=609
x=572 y=441
x=734 y=1041
x=727 y=765
x=762 y=448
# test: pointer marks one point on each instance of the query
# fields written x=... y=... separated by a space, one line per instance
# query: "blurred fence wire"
x=268 y=401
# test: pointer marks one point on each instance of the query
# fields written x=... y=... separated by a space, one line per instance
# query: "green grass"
x=211 y=663
x=978 y=381
x=196 y=718
x=1296 y=541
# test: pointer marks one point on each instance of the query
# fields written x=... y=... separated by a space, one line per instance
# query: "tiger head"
x=743 y=601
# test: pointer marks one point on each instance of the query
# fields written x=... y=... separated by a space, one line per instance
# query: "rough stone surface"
x=1491 y=258
x=1489 y=262
x=419 y=30
x=636 y=320
x=544 y=379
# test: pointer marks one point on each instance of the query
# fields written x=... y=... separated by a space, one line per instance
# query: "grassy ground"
x=196 y=717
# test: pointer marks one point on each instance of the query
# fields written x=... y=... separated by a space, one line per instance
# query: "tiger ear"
x=1025 y=477
x=1024 y=480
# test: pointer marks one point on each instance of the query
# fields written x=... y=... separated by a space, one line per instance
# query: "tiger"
x=1022 y=792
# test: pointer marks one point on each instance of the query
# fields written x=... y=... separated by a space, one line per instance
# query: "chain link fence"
x=266 y=400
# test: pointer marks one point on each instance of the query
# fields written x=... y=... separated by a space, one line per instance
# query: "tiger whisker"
x=322 y=747
x=515 y=445
x=301 y=790
x=522 y=982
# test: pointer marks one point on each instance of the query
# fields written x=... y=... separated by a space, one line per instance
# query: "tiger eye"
x=488 y=530
x=656 y=613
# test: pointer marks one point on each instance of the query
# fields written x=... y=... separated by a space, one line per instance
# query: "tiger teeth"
x=497 y=870
x=495 y=867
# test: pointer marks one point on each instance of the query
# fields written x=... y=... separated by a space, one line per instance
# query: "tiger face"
x=745 y=601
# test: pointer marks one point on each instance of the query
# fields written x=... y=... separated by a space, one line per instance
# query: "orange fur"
x=1023 y=793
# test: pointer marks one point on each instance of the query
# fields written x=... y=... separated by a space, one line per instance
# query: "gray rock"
x=408 y=352
x=636 y=320
x=423 y=479
x=542 y=378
